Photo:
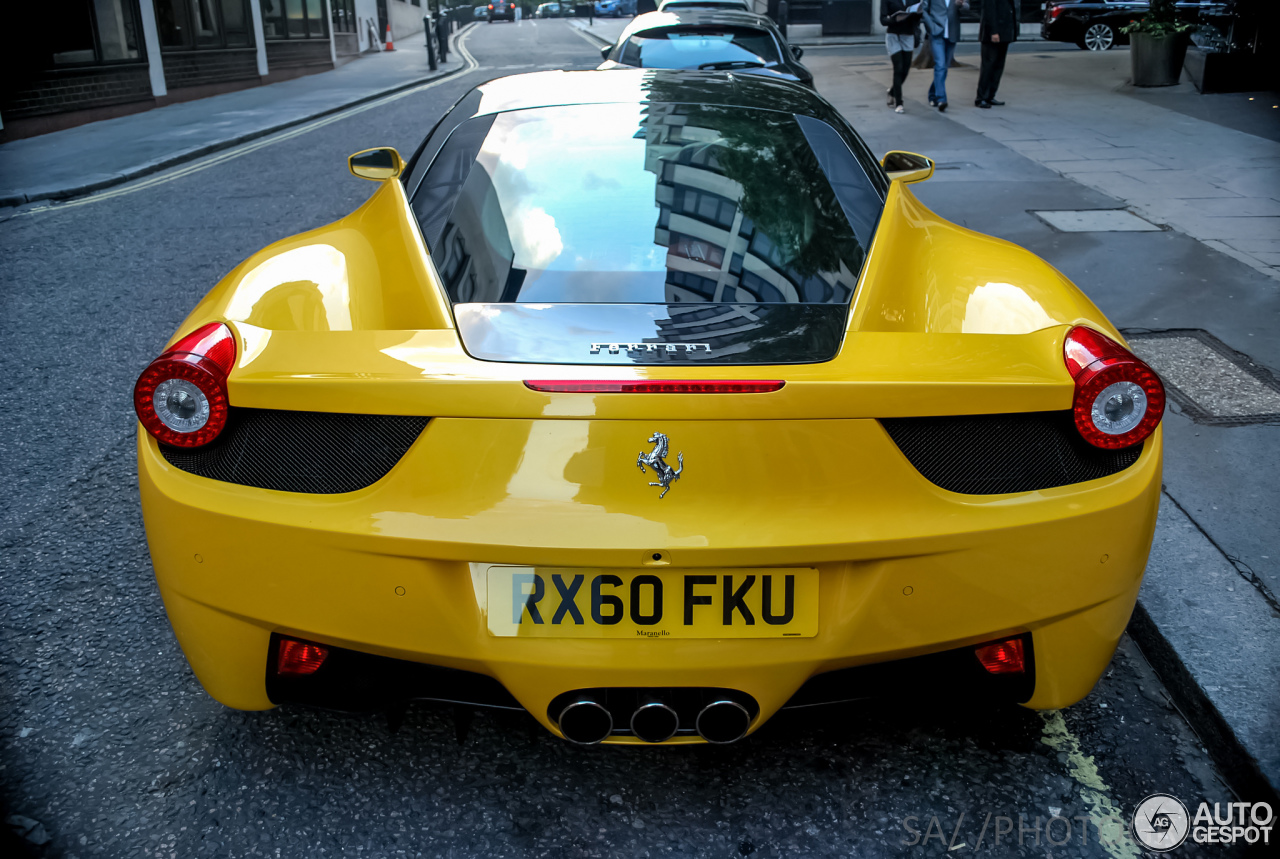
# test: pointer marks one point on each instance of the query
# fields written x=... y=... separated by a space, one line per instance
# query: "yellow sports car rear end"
x=453 y=448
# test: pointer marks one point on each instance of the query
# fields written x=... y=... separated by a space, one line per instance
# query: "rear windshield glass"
x=700 y=48
x=647 y=203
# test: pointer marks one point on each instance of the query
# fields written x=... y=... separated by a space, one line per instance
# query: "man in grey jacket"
x=942 y=20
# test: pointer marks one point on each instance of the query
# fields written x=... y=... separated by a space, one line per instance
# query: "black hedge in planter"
x=1158 y=43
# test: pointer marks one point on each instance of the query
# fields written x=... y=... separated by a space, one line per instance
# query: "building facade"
x=66 y=62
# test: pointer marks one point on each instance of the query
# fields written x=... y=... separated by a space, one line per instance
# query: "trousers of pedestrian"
x=901 y=66
x=993 y=54
x=943 y=52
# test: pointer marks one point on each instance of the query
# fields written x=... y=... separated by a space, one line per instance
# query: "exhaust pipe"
x=723 y=722
x=654 y=722
x=585 y=721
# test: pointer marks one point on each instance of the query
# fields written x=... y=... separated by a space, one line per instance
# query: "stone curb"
x=1210 y=632
x=1238 y=767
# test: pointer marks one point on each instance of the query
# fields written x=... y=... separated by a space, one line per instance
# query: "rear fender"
x=367 y=271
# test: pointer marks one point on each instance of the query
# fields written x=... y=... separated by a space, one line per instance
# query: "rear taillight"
x=181 y=398
x=1119 y=400
x=300 y=657
x=1002 y=657
x=1054 y=12
x=578 y=386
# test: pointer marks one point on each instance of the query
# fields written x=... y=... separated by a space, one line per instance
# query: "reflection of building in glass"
x=714 y=252
x=716 y=257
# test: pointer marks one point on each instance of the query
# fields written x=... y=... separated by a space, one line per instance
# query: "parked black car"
x=1095 y=25
x=715 y=39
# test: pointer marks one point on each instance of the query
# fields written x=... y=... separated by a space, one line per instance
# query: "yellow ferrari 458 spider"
x=650 y=403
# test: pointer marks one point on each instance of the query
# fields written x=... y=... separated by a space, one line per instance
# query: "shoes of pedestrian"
x=991 y=102
x=899 y=109
x=982 y=103
x=933 y=102
x=942 y=107
x=889 y=101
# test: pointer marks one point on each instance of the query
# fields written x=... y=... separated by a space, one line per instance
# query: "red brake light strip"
x=580 y=386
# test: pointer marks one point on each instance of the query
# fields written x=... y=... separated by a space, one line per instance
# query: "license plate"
x=551 y=602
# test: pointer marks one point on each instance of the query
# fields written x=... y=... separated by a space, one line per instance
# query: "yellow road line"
x=1113 y=831
x=253 y=146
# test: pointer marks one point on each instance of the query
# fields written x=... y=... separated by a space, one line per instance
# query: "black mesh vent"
x=993 y=454
x=317 y=452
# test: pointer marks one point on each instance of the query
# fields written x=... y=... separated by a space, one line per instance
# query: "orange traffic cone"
x=390 y=44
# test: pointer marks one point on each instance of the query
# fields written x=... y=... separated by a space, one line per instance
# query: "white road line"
x=460 y=46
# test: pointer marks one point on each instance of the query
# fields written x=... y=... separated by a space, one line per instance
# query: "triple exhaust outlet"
x=586 y=721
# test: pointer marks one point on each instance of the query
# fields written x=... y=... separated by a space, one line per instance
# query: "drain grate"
x=1213 y=383
x=1096 y=221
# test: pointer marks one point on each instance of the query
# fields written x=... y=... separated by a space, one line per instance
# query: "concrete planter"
x=1157 y=60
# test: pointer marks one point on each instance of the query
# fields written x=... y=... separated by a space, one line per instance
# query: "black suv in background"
x=1095 y=24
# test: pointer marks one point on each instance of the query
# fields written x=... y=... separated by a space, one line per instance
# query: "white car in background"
x=664 y=5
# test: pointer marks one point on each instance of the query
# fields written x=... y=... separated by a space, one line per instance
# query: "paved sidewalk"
x=1207 y=617
x=1076 y=114
x=98 y=155
x=604 y=30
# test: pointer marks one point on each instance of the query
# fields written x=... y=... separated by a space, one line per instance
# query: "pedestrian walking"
x=901 y=21
x=942 y=19
x=998 y=30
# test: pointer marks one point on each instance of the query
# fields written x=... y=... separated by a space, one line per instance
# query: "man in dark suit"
x=998 y=30
x=942 y=20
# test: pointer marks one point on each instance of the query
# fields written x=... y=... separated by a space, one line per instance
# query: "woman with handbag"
x=901 y=20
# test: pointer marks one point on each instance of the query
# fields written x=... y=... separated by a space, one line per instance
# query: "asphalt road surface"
x=109 y=744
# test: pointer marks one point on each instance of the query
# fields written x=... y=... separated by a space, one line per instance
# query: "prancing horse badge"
x=656 y=459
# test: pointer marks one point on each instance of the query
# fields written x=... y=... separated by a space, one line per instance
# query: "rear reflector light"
x=1119 y=400
x=555 y=386
x=1002 y=657
x=299 y=657
x=181 y=398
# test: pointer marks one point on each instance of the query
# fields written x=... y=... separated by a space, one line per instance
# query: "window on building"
x=91 y=32
x=298 y=19
x=344 y=16
x=196 y=24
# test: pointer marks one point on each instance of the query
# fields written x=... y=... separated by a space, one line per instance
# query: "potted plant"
x=1158 y=43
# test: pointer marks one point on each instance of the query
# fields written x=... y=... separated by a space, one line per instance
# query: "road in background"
x=107 y=740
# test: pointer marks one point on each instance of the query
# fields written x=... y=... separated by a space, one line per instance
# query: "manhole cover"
x=1213 y=383
x=1096 y=221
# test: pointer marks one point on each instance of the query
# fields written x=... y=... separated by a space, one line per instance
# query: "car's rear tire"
x=1098 y=37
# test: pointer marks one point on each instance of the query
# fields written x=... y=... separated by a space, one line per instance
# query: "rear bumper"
x=906 y=569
